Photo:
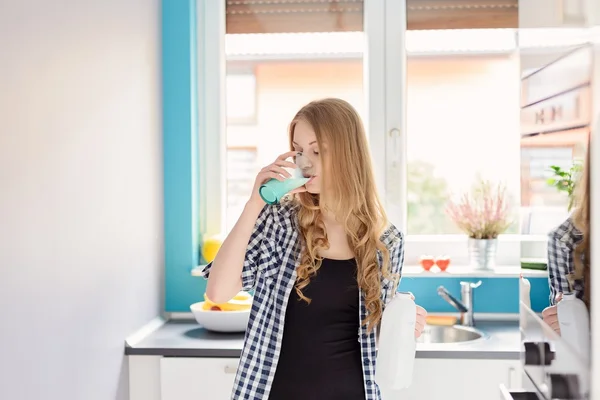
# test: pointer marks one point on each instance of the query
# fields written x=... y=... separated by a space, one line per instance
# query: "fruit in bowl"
x=224 y=317
x=241 y=301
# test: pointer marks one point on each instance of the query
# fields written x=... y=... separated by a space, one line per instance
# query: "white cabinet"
x=463 y=379
x=197 y=378
x=181 y=378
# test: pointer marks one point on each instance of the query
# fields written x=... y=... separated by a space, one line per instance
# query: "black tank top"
x=320 y=356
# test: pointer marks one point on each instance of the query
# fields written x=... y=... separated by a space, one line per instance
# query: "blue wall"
x=180 y=153
x=495 y=295
x=181 y=172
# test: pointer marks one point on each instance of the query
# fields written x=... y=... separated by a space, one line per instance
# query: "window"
x=462 y=122
x=289 y=69
x=240 y=96
x=544 y=207
x=457 y=89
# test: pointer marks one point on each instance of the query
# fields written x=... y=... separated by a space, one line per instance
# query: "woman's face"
x=305 y=141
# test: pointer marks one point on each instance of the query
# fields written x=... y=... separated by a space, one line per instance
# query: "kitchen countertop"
x=185 y=338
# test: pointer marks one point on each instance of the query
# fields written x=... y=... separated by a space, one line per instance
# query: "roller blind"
x=293 y=16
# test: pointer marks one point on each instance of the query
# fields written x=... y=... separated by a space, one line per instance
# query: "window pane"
x=241 y=171
x=241 y=98
x=462 y=123
x=287 y=70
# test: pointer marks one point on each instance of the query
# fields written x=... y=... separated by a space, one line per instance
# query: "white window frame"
x=385 y=84
x=211 y=114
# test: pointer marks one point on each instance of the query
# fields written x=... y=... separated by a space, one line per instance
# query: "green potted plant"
x=565 y=180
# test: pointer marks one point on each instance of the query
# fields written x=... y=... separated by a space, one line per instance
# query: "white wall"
x=80 y=193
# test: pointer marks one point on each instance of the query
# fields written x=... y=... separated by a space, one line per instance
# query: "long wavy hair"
x=349 y=193
x=581 y=220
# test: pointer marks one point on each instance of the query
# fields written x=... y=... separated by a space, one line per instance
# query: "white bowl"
x=220 y=321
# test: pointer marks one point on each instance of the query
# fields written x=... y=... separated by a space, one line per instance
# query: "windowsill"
x=414 y=271
x=458 y=238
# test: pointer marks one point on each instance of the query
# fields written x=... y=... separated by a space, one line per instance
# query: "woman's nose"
x=303 y=161
x=307 y=164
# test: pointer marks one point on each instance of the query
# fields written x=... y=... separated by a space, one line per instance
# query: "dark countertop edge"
x=155 y=324
x=223 y=353
x=152 y=326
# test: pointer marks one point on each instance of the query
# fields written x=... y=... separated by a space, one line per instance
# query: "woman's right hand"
x=550 y=315
x=275 y=170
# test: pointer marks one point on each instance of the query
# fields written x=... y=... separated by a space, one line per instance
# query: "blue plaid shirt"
x=272 y=255
x=561 y=246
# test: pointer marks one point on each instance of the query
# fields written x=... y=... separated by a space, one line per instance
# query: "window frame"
x=385 y=70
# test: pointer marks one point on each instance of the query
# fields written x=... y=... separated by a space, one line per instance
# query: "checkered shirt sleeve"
x=561 y=244
x=394 y=241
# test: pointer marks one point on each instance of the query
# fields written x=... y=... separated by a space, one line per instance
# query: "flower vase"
x=482 y=253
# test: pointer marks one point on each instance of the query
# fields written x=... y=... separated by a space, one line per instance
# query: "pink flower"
x=483 y=212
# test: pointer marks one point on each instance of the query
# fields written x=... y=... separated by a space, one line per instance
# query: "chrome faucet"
x=465 y=306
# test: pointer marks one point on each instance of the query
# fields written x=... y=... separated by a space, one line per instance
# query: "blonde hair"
x=349 y=192
x=581 y=220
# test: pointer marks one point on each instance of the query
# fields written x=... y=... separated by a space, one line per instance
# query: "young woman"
x=323 y=265
x=569 y=252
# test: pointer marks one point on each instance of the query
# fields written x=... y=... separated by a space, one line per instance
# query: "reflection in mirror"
x=553 y=369
x=556 y=116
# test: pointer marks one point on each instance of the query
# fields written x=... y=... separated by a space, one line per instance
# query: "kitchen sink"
x=450 y=334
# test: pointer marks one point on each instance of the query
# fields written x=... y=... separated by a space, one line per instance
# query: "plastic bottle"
x=397 y=346
x=574 y=322
x=525 y=291
x=525 y=300
x=273 y=190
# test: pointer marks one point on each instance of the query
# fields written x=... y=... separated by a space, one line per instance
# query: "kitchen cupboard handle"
x=230 y=370
x=511 y=371
x=394 y=132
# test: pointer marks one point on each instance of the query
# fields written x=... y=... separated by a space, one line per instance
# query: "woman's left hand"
x=420 y=321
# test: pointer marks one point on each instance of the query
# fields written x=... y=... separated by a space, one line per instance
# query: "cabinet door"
x=197 y=378
x=436 y=379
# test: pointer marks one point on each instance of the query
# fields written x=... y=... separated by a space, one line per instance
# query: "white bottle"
x=525 y=300
x=574 y=322
x=525 y=291
x=397 y=346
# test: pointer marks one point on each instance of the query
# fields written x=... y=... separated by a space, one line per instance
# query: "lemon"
x=210 y=247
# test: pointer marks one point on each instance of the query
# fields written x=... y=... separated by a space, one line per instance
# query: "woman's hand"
x=550 y=315
x=275 y=170
x=420 y=322
x=421 y=319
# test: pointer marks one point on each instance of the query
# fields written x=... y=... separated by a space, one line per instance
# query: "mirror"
x=556 y=115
